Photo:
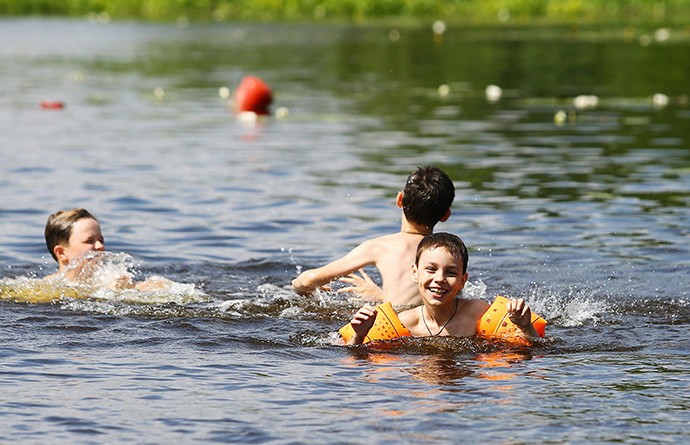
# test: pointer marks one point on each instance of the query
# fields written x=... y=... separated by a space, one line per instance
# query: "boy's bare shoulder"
x=394 y=241
x=473 y=307
x=385 y=238
x=410 y=318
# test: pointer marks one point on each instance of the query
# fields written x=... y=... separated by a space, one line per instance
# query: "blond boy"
x=70 y=236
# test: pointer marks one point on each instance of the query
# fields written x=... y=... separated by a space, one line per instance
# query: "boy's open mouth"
x=437 y=292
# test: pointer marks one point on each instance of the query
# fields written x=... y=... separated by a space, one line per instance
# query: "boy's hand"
x=122 y=282
x=154 y=283
x=361 y=323
x=83 y=268
x=521 y=315
x=362 y=285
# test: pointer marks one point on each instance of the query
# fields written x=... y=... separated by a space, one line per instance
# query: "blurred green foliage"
x=471 y=11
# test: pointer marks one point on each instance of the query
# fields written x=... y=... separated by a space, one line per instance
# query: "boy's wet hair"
x=59 y=227
x=452 y=243
x=427 y=196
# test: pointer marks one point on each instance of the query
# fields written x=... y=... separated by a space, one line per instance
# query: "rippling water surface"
x=580 y=206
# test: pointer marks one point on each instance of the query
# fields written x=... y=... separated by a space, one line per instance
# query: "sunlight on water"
x=33 y=290
x=568 y=149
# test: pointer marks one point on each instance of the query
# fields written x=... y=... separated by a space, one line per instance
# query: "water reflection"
x=445 y=367
x=497 y=365
x=439 y=370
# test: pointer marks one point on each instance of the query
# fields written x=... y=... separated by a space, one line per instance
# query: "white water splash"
x=574 y=308
x=474 y=290
x=99 y=276
x=267 y=295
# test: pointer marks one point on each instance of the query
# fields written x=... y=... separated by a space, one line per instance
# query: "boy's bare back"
x=425 y=200
x=394 y=262
x=393 y=255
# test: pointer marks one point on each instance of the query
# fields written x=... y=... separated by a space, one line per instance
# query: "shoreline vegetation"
x=477 y=12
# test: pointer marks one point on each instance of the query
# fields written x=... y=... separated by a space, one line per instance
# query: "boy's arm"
x=360 y=256
x=362 y=323
x=153 y=283
x=521 y=315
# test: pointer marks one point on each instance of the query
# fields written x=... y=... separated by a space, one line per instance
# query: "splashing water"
x=475 y=290
x=98 y=277
x=572 y=309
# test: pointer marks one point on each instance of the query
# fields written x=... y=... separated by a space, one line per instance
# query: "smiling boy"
x=440 y=271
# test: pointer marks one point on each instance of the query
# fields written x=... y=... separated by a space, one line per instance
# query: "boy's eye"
x=451 y=272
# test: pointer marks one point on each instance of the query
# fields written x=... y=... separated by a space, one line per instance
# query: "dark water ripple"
x=586 y=219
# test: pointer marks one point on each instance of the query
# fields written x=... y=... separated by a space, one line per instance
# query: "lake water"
x=582 y=210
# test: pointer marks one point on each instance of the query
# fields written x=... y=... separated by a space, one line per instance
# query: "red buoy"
x=253 y=95
x=52 y=105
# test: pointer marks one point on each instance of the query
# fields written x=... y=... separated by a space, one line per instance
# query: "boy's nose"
x=100 y=246
x=439 y=276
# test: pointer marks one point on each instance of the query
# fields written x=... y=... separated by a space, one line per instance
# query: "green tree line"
x=476 y=11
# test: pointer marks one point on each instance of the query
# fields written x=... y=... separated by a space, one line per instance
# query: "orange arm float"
x=495 y=321
x=387 y=326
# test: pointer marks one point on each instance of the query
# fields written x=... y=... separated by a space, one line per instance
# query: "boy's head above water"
x=71 y=233
x=427 y=196
x=440 y=268
x=451 y=243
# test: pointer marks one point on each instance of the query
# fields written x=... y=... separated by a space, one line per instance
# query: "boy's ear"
x=415 y=278
x=59 y=252
x=445 y=216
x=398 y=199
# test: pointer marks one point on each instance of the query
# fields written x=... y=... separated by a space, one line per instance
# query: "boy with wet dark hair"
x=425 y=200
x=427 y=197
x=440 y=274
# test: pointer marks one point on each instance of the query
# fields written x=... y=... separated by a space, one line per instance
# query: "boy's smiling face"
x=439 y=276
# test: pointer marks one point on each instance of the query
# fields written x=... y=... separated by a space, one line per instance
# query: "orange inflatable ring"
x=387 y=326
x=495 y=322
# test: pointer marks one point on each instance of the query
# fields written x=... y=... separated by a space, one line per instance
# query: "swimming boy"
x=71 y=235
x=440 y=272
x=425 y=200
